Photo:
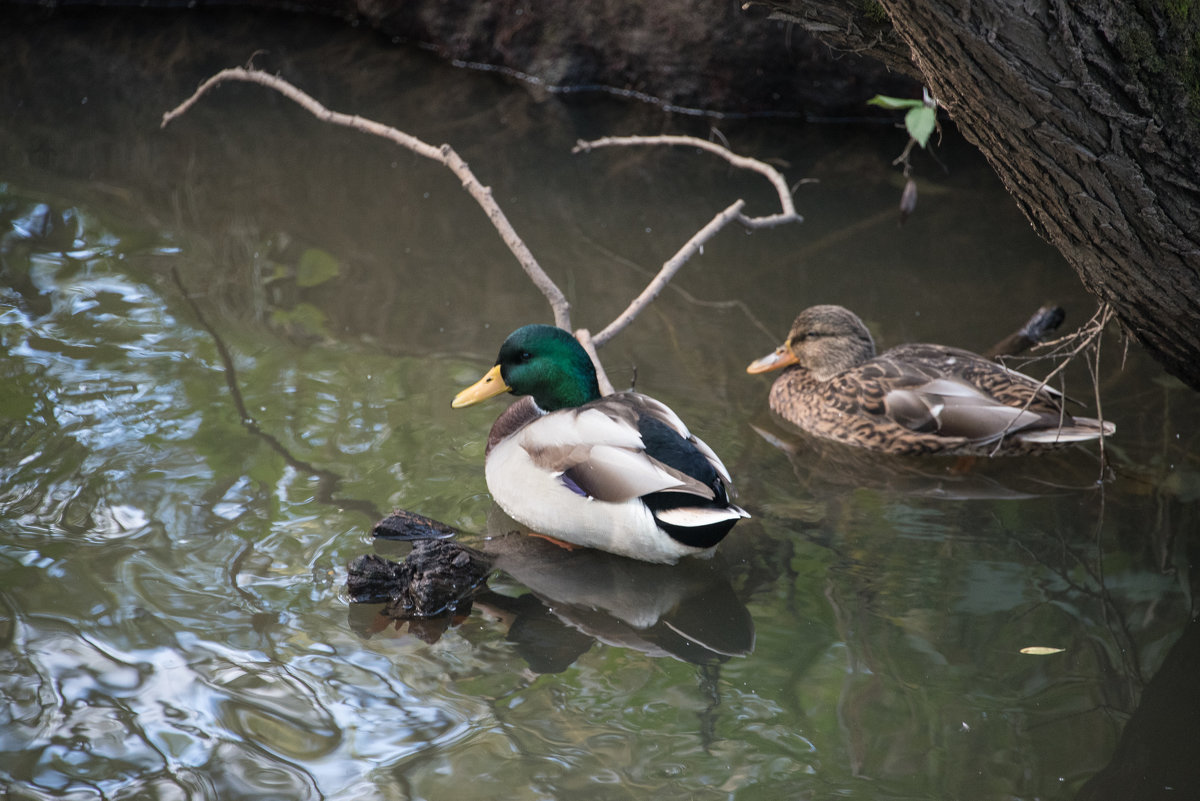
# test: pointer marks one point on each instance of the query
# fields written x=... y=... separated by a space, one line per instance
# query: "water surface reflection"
x=171 y=562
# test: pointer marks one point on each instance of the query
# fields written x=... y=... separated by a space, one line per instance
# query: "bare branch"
x=585 y=338
x=787 y=206
x=689 y=249
x=696 y=243
x=1085 y=337
x=444 y=155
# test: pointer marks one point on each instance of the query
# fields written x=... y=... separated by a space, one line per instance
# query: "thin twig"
x=788 y=208
x=444 y=155
x=683 y=293
x=589 y=344
x=1094 y=369
x=668 y=270
x=1084 y=337
x=696 y=243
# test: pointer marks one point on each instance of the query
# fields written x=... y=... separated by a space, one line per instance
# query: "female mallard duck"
x=912 y=399
x=620 y=473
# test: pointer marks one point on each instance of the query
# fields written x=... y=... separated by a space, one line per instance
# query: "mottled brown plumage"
x=912 y=399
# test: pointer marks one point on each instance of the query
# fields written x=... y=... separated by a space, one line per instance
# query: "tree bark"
x=1090 y=114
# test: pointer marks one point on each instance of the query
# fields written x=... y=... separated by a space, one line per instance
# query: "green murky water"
x=227 y=348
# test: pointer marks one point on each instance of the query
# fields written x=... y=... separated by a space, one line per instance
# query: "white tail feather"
x=1084 y=429
x=697 y=516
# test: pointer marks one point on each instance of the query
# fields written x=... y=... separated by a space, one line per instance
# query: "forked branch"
x=787 y=213
x=696 y=243
x=672 y=265
x=444 y=155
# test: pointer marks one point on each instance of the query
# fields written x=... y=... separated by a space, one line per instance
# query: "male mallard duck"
x=620 y=473
x=913 y=399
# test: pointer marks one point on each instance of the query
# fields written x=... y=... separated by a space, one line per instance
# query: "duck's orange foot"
x=566 y=545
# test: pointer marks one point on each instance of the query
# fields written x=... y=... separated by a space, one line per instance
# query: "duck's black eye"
x=526 y=356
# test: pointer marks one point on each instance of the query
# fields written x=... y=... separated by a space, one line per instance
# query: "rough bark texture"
x=718 y=57
x=1089 y=113
x=850 y=27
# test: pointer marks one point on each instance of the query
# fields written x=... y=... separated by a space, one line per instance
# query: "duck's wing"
x=932 y=389
x=599 y=452
x=1008 y=386
x=951 y=407
x=947 y=392
x=701 y=514
x=650 y=409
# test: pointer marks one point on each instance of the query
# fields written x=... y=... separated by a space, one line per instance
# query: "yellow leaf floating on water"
x=1041 y=650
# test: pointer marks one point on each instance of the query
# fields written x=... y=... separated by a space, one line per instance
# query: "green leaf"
x=883 y=101
x=920 y=123
x=303 y=316
x=316 y=267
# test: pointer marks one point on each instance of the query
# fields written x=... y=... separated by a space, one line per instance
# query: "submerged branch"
x=328 y=481
x=1033 y=332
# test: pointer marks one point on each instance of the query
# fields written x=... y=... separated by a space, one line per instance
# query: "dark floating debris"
x=410 y=526
x=437 y=578
x=571 y=598
x=1037 y=328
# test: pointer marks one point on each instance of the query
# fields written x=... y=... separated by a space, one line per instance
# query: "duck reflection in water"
x=578 y=597
x=828 y=469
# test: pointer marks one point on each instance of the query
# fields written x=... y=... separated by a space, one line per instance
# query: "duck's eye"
x=526 y=356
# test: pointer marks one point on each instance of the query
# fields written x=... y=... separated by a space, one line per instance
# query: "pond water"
x=229 y=347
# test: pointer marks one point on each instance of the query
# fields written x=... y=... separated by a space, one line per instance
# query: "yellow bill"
x=491 y=385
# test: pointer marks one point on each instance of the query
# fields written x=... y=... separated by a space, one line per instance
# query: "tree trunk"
x=1090 y=114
